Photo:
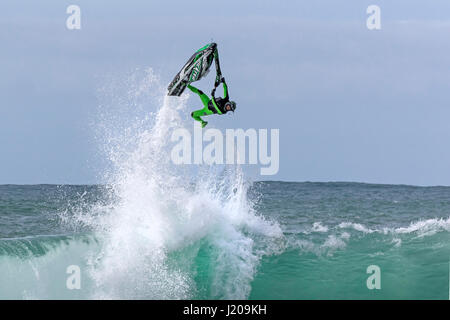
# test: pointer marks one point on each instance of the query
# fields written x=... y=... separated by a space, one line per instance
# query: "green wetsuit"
x=211 y=106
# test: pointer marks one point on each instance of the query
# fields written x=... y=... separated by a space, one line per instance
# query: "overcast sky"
x=351 y=104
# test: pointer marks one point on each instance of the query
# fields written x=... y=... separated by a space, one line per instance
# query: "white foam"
x=318 y=227
x=421 y=228
x=331 y=244
x=355 y=226
x=425 y=227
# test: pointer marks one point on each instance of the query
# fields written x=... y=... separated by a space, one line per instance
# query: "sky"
x=351 y=104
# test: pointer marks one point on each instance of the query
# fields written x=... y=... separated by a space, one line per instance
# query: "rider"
x=214 y=105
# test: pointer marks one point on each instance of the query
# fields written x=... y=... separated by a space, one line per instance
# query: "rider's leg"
x=200 y=113
x=205 y=99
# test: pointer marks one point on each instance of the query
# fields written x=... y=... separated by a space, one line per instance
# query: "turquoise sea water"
x=294 y=241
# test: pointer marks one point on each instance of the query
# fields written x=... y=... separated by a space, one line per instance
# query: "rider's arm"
x=218 y=72
x=225 y=89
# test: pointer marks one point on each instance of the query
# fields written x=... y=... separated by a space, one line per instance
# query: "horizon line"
x=254 y=181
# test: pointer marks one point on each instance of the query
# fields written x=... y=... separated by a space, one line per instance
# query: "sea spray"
x=156 y=212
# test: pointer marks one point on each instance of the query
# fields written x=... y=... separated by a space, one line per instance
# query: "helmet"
x=232 y=105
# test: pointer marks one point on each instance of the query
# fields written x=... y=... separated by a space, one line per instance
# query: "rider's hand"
x=222 y=79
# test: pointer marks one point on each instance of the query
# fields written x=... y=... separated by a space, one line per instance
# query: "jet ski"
x=195 y=69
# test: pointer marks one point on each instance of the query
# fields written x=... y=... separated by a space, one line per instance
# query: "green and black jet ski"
x=196 y=68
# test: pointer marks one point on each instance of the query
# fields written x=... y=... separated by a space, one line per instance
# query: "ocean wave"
x=327 y=247
x=38 y=245
x=425 y=227
x=326 y=241
x=421 y=227
x=355 y=226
